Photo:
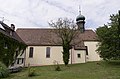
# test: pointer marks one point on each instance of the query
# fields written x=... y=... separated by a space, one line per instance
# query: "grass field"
x=91 y=70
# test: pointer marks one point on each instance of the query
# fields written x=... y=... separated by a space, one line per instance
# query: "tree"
x=8 y=48
x=66 y=30
x=109 y=37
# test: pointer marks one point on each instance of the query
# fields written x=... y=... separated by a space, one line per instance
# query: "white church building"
x=41 y=51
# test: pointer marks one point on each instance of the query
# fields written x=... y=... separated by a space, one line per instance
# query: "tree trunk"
x=66 y=54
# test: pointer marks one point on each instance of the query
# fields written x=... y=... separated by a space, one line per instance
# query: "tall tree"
x=66 y=30
x=109 y=36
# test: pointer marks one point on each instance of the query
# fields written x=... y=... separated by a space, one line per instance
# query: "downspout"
x=71 y=56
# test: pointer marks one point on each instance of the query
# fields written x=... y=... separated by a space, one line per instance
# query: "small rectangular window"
x=31 y=52
x=48 y=52
x=78 y=55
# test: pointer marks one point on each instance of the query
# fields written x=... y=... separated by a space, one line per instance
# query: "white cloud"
x=36 y=13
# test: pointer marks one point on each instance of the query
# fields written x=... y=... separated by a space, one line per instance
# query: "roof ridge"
x=34 y=29
x=44 y=29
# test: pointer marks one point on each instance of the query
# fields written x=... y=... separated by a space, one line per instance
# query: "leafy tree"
x=8 y=47
x=109 y=37
x=4 y=72
x=66 y=31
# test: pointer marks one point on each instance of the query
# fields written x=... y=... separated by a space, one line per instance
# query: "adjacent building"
x=8 y=36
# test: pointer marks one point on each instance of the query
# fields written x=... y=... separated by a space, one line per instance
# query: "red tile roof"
x=39 y=37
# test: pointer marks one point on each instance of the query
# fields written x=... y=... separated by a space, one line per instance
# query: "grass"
x=91 y=70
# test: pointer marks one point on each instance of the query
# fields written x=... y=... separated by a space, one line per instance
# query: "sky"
x=37 y=13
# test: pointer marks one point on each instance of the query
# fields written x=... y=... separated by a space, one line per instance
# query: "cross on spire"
x=79 y=9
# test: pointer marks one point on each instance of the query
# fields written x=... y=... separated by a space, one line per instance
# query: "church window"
x=31 y=52
x=48 y=52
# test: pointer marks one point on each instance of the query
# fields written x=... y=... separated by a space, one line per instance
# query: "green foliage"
x=8 y=48
x=89 y=70
x=66 y=53
x=3 y=71
x=57 y=66
x=31 y=72
x=109 y=37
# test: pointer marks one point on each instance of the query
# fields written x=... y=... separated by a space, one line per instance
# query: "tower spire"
x=79 y=9
x=80 y=20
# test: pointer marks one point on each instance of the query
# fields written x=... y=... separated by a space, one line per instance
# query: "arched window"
x=31 y=52
x=48 y=52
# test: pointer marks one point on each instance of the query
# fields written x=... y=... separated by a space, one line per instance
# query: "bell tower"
x=80 y=21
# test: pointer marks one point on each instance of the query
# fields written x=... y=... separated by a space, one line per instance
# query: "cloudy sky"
x=37 y=13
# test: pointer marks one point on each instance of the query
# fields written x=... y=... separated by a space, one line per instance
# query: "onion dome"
x=80 y=17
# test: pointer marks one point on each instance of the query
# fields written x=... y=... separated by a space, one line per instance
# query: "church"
x=41 y=51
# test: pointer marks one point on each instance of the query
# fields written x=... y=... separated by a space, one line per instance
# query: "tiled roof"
x=46 y=37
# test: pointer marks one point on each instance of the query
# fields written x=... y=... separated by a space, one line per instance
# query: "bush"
x=57 y=66
x=4 y=72
x=31 y=72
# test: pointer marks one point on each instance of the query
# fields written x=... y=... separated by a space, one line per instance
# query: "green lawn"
x=91 y=70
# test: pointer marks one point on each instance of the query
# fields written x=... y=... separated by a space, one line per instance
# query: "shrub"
x=4 y=72
x=31 y=72
x=57 y=66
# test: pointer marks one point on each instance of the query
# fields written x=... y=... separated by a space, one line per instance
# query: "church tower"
x=80 y=21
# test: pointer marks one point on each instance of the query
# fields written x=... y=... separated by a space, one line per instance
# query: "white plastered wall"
x=92 y=54
x=39 y=55
x=82 y=56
